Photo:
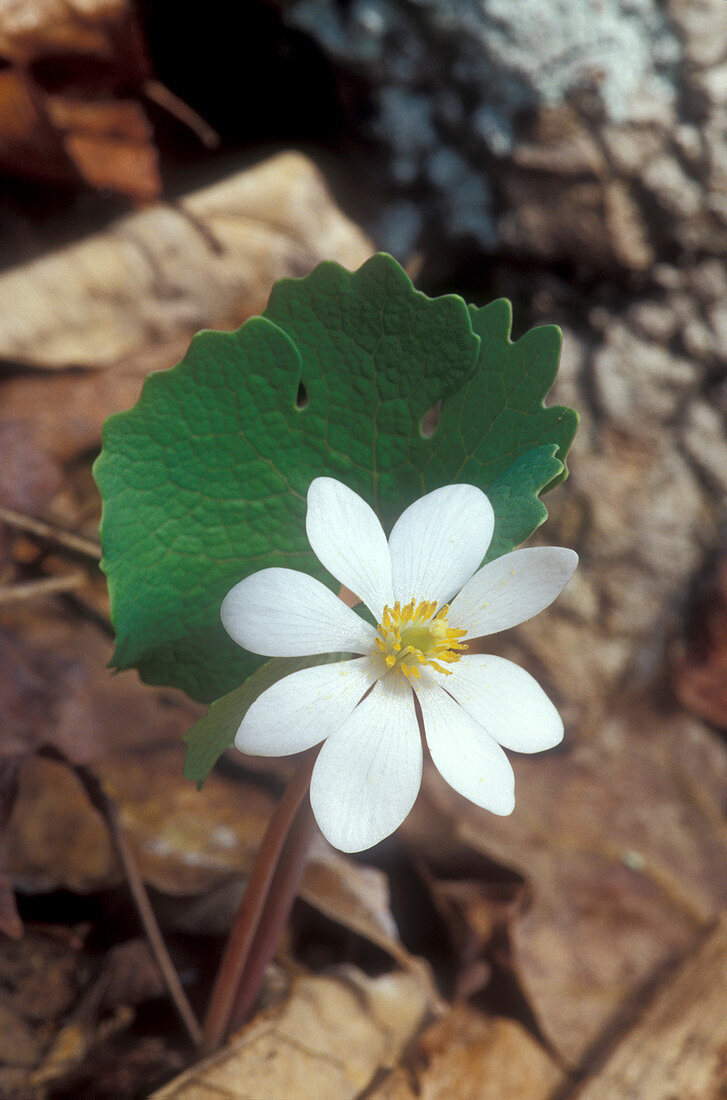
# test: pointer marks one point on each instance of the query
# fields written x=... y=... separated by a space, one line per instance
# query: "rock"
x=480 y=81
x=639 y=383
x=676 y=193
x=703 y=26
x=704 y=435
x=653 y=319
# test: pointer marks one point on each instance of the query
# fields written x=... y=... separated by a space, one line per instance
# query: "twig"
x=108 y=810
x=46 y=586
x=231 y=982
x=161 y=95
x=50 y=533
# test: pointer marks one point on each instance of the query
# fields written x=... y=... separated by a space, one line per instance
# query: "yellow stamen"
x=412 y=635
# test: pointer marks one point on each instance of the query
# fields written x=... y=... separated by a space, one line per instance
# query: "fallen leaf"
x=358 y=897
x=622 y=840
x=47 y=424
x=56 y=689
x=110 y=144
x=327 y=1041
x=40 y=982
x=188 y=844
x=34 y=28
x=699 y=669
x=67 y=113
x=470 y=1057
x=677 y=1046
x=20 y=1045
x=39 y=974
x=161 y=274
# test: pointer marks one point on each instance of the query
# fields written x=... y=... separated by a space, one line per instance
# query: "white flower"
x=368 y=772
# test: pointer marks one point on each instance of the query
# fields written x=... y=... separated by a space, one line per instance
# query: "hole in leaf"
x=301 y=398
x=430 y=420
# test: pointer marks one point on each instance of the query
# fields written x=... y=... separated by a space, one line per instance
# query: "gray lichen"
x=454 y=85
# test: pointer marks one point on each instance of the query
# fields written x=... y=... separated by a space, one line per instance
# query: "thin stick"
x=252 y=907
x=163 y=97
x=107 y=808
x=51 y=533
x=46 y=586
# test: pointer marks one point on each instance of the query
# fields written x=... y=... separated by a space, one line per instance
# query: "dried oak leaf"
x=69 y=101
x=329 y=1038
x=622 y=841
x=699 y=670
x=193 y=847
x=470 y=1057
x=160 y=275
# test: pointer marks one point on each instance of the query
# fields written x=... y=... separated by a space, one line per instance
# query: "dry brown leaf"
x=327 y=1041
x=470 y=1057
x=67 y=113
x=699 y=670
x=677 y=1047
x=46 y=423
x=623 y=842
x=32 y=28
x=111 y=145
x=56 y=689
x=164 y=273
x=355 y=895
x=188 y=844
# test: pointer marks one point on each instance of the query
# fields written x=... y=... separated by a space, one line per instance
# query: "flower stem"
x=279 y=902
x=265 y=905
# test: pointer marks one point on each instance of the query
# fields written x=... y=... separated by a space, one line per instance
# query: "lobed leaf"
x=204 y=480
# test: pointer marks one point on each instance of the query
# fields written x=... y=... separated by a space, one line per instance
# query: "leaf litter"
x=606 y=882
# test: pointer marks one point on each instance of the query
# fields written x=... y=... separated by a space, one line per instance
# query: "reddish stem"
x=279 y=902
x=264 y=880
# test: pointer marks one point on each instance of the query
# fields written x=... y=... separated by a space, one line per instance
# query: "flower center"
x=412 y=635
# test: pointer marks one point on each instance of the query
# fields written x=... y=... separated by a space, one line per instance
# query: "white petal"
x=284 y=613
x=506 y=701
x=349 y=541
x=465 y=754
x=367 y=775
x=439 y=541
x=511 y=589
x=306 y=707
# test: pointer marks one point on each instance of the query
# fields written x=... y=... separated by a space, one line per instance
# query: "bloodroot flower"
x=413 y=668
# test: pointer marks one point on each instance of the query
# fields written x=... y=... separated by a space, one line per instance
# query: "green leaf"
x=208 y=738
x=204 y=481
x=514 y=497
x=498 y=415
x=497 y=433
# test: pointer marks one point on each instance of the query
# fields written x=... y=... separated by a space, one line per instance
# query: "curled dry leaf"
x=327 y=1041
x=161 y=274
